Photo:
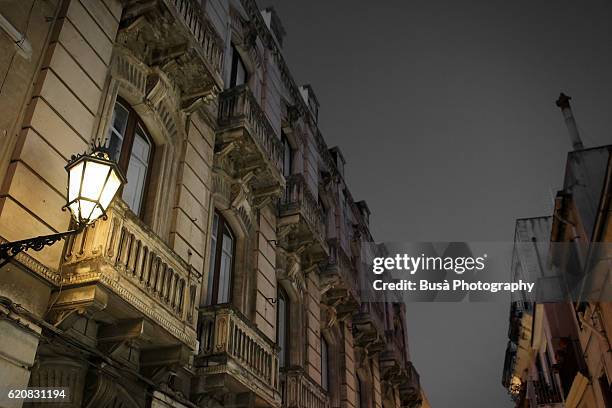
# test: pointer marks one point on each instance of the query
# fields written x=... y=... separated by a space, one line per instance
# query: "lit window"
x=238 y=74
x=324 y=364
x=131 y=146
x=221 y=262
x=282 y=327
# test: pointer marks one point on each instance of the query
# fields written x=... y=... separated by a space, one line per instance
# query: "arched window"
x=221 y=262
x=324 y=364
x=282 y=328
x=131 y=146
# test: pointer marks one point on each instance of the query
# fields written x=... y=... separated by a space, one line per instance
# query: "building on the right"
x=559 y=351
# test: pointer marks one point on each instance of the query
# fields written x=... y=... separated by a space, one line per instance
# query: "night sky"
x=445 y=113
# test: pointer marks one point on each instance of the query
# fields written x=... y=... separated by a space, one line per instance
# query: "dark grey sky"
x=445 y=113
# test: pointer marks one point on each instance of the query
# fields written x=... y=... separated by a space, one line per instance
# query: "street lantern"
x=93 y=182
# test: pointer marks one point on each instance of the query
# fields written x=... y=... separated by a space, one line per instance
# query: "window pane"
x=238 y=71
x=220 y=267
x=225 y=267
x=137 y=171
x=213 y=255
x=116 y=131
x=324 y=365
x=286 y=157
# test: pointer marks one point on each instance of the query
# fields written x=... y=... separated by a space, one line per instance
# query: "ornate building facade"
x=226 y=272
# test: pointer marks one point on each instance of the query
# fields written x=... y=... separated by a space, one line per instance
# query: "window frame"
x=131 y=128
x=282 y=294
x=237 y=59
x=287 y=148
x=222 y=224
x=359 y=395
x=325 y=383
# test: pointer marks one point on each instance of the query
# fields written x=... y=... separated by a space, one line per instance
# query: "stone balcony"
x=392 y=359
x=301 y=392
x=139 y=275
x=176 y=36
x=247 y=138
x=300 y=214
x=235 y=357
x=410 y=388
x=339 y=282
x=369 y=327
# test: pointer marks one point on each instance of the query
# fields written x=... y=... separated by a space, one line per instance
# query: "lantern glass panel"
x=75 y=210
x=74 y=181
x=88 y=211
x=110 y=189
x=94 y=179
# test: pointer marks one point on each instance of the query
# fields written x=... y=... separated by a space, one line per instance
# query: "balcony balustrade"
x=298 y=207
x=545 y=394
x=301 y=392
x=177 y=36
x=244 y=127
x=123 y=254
x=234 y=355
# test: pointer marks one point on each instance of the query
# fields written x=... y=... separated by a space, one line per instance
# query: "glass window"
x=132 y=148
x=117 y=131
x=238 y=74
x=324 y=364
x=287 y=156
x=221 y=262
x=282 y=327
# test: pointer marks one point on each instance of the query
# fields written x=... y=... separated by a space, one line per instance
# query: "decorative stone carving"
x=59 y=367
x=175 y=35
x=106 y=392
